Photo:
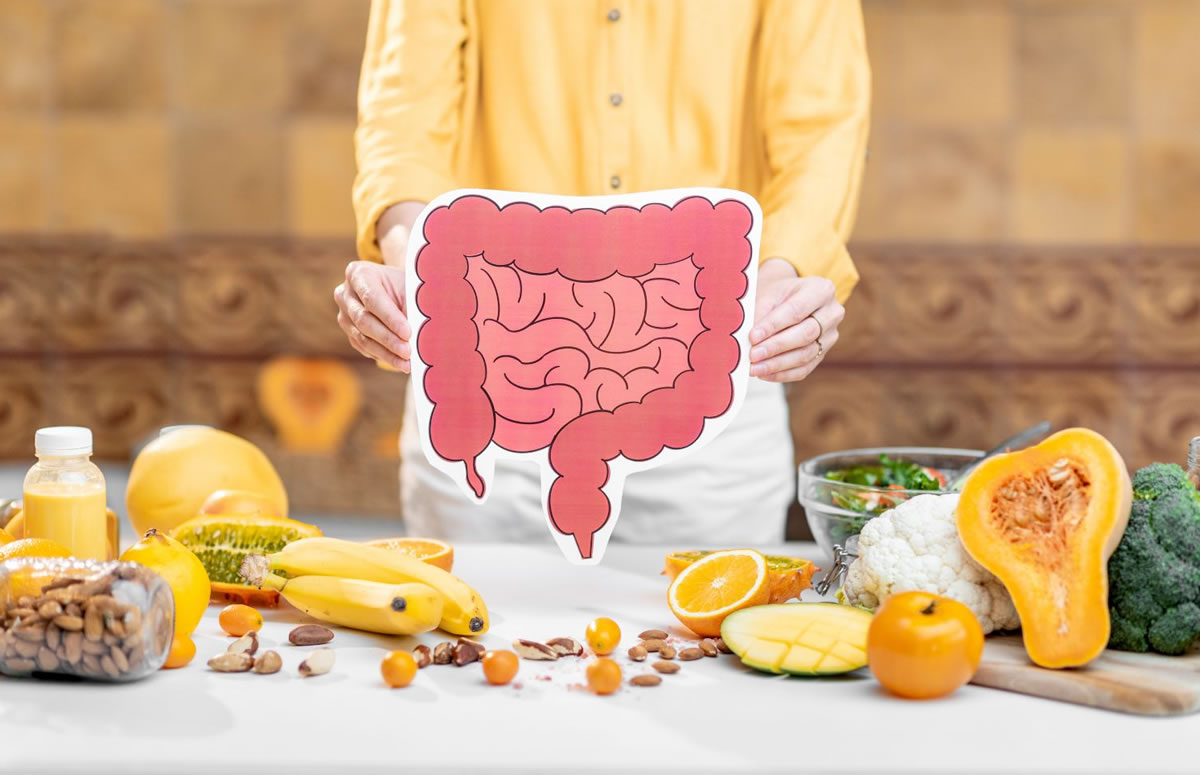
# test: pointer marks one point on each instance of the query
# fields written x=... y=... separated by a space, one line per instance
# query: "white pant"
x=735 y=491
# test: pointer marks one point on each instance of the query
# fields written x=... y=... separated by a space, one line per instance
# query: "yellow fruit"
x=390 y=609
x=183 y=572
x=33 y=547
x=603 y=676
x=16 y=525
x=176 y=473
x=799 y=638
x=238 y=619
x=183 y=648
x=398 y=669
x=239 y=503
x=713 y=587
x=787 y=576
x=429 y=550
x=6 y=537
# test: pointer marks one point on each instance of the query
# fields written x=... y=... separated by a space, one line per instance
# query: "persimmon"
x=922 y=646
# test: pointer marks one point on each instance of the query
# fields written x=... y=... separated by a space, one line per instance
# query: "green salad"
x=889 y=474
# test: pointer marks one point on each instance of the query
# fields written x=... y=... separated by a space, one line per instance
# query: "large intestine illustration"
x=595 y=340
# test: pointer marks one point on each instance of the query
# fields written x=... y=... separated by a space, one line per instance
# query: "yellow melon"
x=175 y=474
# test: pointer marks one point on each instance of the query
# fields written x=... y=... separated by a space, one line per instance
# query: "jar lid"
x=63 y=440
x=169 y=428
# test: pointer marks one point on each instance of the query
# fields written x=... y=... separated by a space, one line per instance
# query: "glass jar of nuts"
x=110 y=621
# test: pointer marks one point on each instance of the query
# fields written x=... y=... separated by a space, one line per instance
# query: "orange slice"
x=711 y=588
x=787 y=576
x=430 y=550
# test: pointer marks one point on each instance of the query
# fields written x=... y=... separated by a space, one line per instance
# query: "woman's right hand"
x=371 y=312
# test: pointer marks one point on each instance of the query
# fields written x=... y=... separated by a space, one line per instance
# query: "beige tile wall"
x=1024 y=121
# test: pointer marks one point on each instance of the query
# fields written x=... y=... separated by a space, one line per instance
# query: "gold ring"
x=820 y=328
x=820 y=348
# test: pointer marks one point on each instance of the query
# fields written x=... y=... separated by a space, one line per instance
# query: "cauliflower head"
x=915 y=547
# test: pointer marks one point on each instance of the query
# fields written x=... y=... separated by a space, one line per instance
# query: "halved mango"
x=799 y=638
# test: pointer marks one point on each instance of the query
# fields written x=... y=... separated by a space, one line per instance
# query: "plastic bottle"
x=64 y=498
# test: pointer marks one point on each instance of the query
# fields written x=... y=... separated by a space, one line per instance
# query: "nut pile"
x=655 y=642
x=241 y=657
x=110 y=625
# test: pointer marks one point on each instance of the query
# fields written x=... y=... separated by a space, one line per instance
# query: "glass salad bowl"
x=837 y=502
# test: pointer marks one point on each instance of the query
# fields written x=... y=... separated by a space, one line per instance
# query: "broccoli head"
x=1154 y=575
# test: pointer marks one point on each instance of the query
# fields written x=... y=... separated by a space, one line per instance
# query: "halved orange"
x=711 y=588
x=430 y=550
x=786 y=576
x=33 y=547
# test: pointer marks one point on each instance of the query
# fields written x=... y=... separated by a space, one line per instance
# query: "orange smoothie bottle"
x=64 y=498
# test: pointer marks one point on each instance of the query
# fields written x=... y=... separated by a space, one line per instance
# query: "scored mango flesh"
x=799 y=638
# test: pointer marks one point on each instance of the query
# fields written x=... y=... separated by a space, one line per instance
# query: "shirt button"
x=616 y=99
x=615 y=181
x=614 y=15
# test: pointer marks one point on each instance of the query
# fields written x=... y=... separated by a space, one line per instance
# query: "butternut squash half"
x=1045 y=521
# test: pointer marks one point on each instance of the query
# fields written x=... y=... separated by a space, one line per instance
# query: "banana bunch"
x=368 y=588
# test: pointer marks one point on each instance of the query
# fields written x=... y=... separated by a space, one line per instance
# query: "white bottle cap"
x=170 y=428
x=63 y=440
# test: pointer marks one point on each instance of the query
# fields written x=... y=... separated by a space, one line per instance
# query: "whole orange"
x=398 y=669
x=922 y=646
x=500 y=667
x=604 y=676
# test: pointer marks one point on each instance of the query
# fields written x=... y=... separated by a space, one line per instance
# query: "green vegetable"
x=1154 y=575
x=908 y=475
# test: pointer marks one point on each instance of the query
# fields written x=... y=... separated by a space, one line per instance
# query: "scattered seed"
x=708 y=647
x=653 y=634
x=653 y=644
x=647 y=679
x=224 y=663
x=269 y=662
x=687 y=655
x=637 y=653
x=319 y=662
x=310 y=635
x=666 y=652
x=666 y=667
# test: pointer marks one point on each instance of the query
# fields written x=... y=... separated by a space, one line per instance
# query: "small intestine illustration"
x=597 y=340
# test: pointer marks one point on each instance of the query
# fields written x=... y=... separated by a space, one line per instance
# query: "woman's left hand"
x=796 y=322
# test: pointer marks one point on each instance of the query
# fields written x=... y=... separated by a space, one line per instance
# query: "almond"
x=653 y=635
x=653 y=644
x=666 y=667
x=666 y=652
x=708 y=647
x=688 y=655
x=637 y=653
x=721 y=647
x=647 y=679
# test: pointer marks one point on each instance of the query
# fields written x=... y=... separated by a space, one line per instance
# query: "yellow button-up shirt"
x=584 y=97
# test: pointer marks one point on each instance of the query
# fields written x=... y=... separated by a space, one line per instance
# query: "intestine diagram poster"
x=593 y=337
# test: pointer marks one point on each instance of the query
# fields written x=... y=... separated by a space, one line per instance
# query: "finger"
x=373 y=350
x=373 y=328
x=371 y=291
x=810 y=294
x=809 y=329
x=795 y=358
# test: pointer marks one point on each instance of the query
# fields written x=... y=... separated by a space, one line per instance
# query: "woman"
x=598 y=98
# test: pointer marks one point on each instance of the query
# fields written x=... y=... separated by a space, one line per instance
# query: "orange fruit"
x=604 y=676
x=500 y=667
x=603 y=635
x=430 y=550
x=183 y=572
x=33 y=547
x=239 y=503
x=5 y=537
x=787 y=576
x=398 y=669
x=238 y=619
x=182 y=651
x=716 y=585
x=16 y=525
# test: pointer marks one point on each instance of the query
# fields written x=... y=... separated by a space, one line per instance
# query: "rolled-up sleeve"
x=815 y=101
x=409 y=103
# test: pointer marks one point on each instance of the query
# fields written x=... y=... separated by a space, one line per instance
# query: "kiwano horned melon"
x=1045 y=520
x=222 y=542
x=175 y=473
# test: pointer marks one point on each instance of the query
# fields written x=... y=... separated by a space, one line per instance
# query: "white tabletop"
x=714 y=716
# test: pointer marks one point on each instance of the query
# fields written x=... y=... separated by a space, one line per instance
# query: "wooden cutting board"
x=1147 y=684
